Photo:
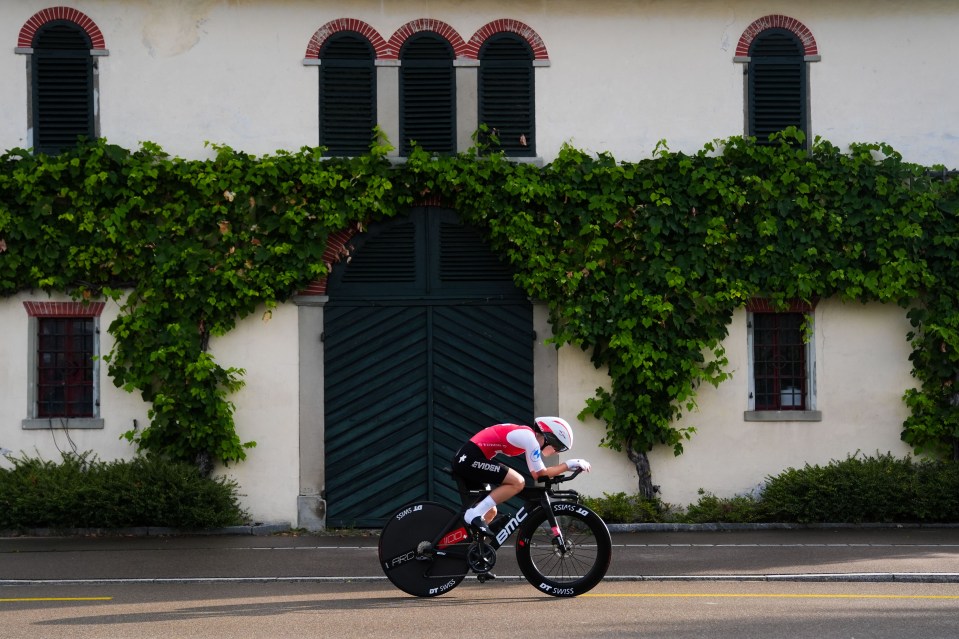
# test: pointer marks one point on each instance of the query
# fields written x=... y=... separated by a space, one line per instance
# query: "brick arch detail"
x=508 y=25
x=763 y=305
x=337 y=249
x=428 y=24
x=42 y=17
x=319 y=38
x=777 y=22
x=64 y=309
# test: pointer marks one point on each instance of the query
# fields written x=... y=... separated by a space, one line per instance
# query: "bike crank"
x=481 y=557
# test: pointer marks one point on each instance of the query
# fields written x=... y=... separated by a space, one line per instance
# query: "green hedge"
x=880 y=489
x=864 y=489
x=83 y=492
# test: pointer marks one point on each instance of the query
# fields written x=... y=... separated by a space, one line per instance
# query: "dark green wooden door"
x=426 y=342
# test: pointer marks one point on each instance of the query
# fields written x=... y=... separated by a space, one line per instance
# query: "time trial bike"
x=563 y=548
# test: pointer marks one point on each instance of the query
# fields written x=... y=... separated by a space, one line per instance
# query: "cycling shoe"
x=479 y=524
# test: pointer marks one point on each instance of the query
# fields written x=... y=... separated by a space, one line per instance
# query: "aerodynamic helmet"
x=556 y=431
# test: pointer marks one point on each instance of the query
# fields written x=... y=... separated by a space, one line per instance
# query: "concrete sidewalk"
x=809 y=554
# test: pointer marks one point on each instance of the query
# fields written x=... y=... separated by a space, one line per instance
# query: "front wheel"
x=408 y=557
x=578 y=565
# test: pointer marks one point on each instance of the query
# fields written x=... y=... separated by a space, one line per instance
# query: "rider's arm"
x=551 y=471
x=526 y=440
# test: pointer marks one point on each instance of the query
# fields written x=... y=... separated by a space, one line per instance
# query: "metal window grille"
x=780 y=362
x=65 y=350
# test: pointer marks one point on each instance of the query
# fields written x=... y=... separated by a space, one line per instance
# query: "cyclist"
x=474 y=462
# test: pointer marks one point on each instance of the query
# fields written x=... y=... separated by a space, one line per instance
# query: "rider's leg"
x=511 y=486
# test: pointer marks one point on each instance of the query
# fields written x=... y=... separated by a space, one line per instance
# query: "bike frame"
x=534 y=497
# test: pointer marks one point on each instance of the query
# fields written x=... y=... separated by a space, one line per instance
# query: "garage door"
x=426 y=341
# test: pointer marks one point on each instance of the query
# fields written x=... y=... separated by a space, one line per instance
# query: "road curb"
x=260 y=529
x=265 y=529
x=939 y=578
x=720 y=527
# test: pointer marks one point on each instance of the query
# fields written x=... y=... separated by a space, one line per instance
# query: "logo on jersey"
x=486 y=466
x=537 y=454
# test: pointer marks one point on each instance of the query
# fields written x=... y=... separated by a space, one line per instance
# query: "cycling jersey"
x=511 y=440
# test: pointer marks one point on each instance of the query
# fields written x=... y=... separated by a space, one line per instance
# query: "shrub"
x=620 y=508
x=83 y=492
x=865 y=489
x=740 y=509
x=880 y=489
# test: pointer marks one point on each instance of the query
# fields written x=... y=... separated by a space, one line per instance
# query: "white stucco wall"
x=267 y=411
x=862 y=370
x=622 y=75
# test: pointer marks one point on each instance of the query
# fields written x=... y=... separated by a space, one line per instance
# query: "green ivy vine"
x=642 y=263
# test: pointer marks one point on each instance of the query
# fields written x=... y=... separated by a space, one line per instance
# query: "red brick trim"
x=763 y=305
x=427 y=24
x=512 y=26
x=380 y=47
x=40 y=18
x=777 y=22
x=64 y=309
x=337 y=248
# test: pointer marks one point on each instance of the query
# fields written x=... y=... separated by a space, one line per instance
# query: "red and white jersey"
x=511 y=440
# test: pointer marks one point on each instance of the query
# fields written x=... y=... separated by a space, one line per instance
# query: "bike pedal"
x=483 y=577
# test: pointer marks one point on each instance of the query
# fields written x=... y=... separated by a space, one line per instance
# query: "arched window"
x=347 y=94
x=62 y=87
x=777 y=84
x=427 y=94
x=506 y=93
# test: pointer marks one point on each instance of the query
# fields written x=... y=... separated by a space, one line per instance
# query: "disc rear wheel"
x=408 y=558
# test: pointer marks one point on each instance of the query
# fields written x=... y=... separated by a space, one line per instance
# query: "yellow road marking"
x=704 y=595
x=18 y=599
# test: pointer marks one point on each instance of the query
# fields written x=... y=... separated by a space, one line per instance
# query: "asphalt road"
x=823 y=583
x=861 y=554
x=674 y=610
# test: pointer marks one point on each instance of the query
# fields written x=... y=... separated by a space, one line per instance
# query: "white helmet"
x=557 y=432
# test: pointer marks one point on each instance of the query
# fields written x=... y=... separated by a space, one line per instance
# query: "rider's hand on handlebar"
x=578 y=464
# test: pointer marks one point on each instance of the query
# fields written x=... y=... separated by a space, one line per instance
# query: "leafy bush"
x=880 y=489
x=621 y=508
x=740 y=509
x=83 y=492
x=865 y=489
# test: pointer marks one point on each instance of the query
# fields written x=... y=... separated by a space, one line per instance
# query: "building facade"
x=614 y=77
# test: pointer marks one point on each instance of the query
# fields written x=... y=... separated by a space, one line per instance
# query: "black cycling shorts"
x=471 y=464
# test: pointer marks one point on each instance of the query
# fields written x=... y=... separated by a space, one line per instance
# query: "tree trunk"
x=646 y=488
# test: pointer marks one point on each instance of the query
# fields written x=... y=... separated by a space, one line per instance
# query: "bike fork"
x=558 y=540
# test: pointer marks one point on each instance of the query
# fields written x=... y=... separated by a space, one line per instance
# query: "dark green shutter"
x=62 y=80
x=506 y=94
x=777 y=84
x=428 y=94
x=347 y=94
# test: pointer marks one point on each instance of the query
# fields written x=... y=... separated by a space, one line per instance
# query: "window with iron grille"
x=780 y=362
x=427 y=94
x=777 y=84
x=65 y=367
x=347 y=94
x=62 y=91
x=506 y=93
